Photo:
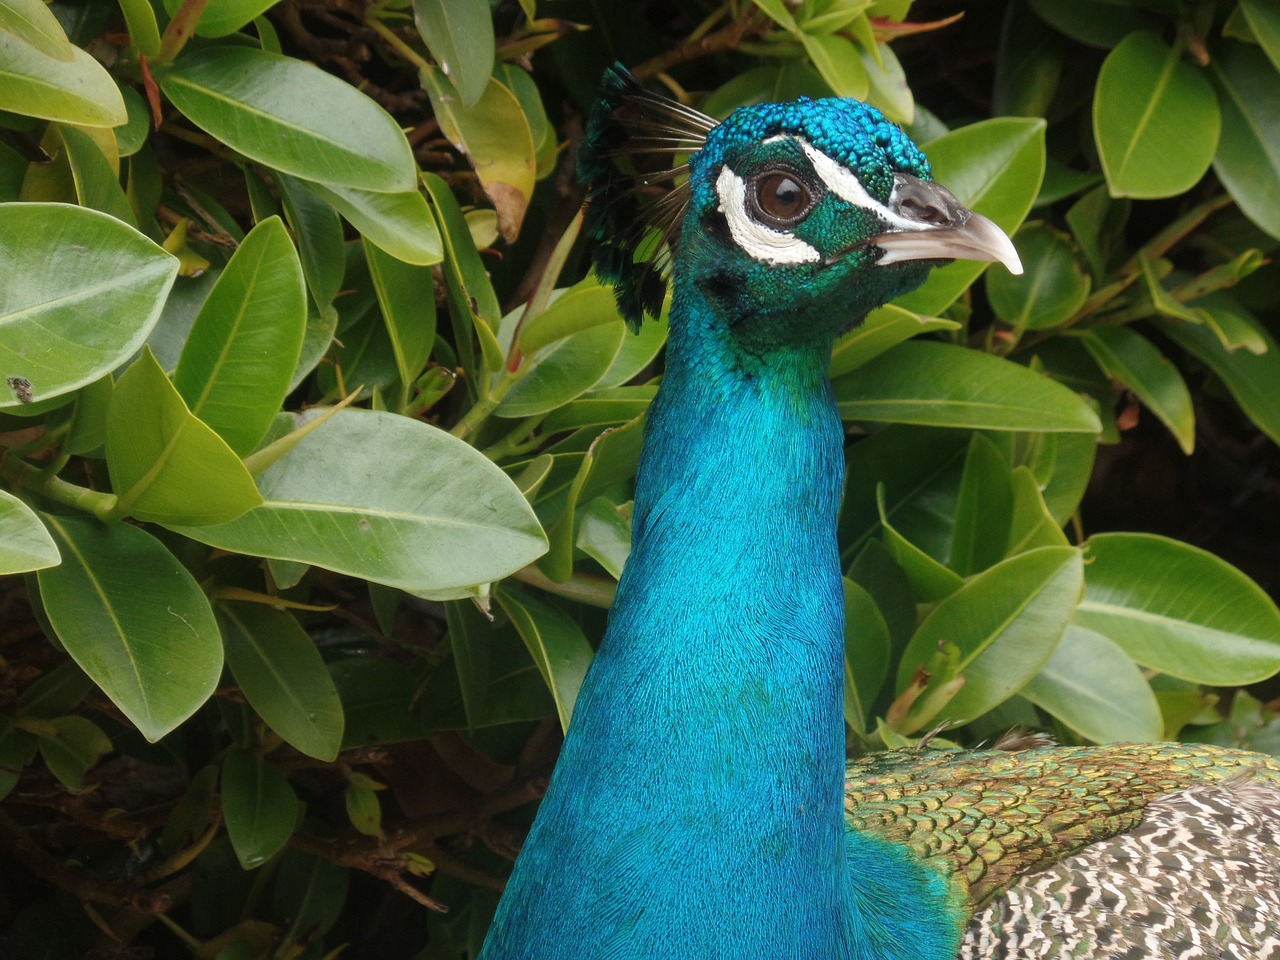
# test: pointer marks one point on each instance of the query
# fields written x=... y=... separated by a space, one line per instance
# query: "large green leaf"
x=74 y=90
x=165 y=464
x=566 y=369
x=79 y=292
x=994 y=167
x=495 y=135
x=1264 y=21
x=24 y=542
x=984 y=509
x=837 y=60
x=939 y=384
x=1092 y=686
x=32 y=22
x=283 y=677
x=866 y=655
x=222 y=17
x=406 y=294
x=1051 y=288
x=1003 y=626
x=237 y=362
x=388 y=499
x=1155 y=119
x=134 y=619
x=1248 y=157
x=459 y=34
x=556 y=643
x=1179 y=610
x=399 y=223
x=291 y=116
x=259 y=807
x=97 y=182
x=882 y=329
x=1133 y=360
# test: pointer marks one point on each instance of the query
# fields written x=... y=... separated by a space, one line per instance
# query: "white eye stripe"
x=760 y=242
x=841 y=181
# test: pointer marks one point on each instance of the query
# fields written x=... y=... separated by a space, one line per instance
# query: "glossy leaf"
x=604 y=534
x=494 y=134
x=837 y=60
x=240 y=356
x=259 y=807
x=387 y=499
x=1092 y=686
x=282 y=675
x=406 y=294
x=556 y=643
x=930 y=579
x=882 y=329
x=585 y=305
x=1051 y=288
x=564 y=370
x=33 y=23
x=459 y=34
x=1097 y=23
x=984 y=509
x=74 y=90
x=1130 y=358
x=1155 y=119
x=1250 y=377
x=222 y=17
x=318 y=230
x=399 y=223
x=1032 y=525
x=1004 y=623
x=1264 y=22
x=939 y=384
x=134 y=619
x=995 y=168
x=97 y=182
x=1248 y=157
x=25 y=544
x=1179 y=610
x=48 y=289
x=866 y=655
x=165 y=464
x=291 y=116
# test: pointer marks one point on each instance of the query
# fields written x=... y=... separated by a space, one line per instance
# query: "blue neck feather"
x=697 y=807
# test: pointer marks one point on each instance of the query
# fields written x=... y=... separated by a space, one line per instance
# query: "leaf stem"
x=402 y=48
x=39 y=480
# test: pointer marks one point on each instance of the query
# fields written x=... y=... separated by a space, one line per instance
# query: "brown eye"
x=781 y=198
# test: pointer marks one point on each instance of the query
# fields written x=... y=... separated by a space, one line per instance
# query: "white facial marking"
x=841 y=181
x=760 y=242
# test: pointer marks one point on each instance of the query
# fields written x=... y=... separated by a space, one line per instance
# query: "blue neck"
x=706 y=751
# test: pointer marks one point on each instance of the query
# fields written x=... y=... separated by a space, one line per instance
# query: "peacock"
x=702 y=806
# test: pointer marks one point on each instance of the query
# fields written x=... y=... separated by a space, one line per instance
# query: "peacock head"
x=792 y=220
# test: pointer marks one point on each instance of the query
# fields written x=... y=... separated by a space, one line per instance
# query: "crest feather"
x=635 y=198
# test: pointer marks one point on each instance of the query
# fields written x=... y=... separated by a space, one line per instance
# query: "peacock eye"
x=780 y=198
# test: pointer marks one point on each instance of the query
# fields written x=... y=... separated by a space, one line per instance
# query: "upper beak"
x=932 y=224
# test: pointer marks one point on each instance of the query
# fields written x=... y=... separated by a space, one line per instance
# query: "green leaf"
x=291 y=116
x=940 y=384
x=309 y=896
x=866 y=655
x=238 y=360
x=283 y=677
x=222 y=17
x=585 y=305
x=838 y=61
x=165 y=464
x=777 y=11
x=1096 y=23
x=883 y=328
x=601 y=408
x=556 y=643
x=1004 y=624
x=1179 y=610
x=17 y=749
x=140 y=24
x=407 y=296
x=1264 y=22
x=48 y=287
x=995 y=168
x=388 y=499
x=97 y=183
x=32 y=22
x=1251 y=378
x=459 y=34
x=1155 y=119
x=1092 y=686
x=930 y=580
x=320 y=243
x=638 y=351
x=73 y=748
x=1051 y=288
x=75 y=90
x=363 y=809
x=56 y=693
x=984 y=509
x=134 y=619
x=399 y=223
x=566 y=369
x=1130 y=358
x=604 y=534
x=24 y=542
x=259 y=807
x=1032 y=525
x=1248 y=157
x=494 y=134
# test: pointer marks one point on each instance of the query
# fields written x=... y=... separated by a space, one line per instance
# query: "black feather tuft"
x=635 y=198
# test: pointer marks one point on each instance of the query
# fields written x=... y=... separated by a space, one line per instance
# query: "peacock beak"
x=931 y=224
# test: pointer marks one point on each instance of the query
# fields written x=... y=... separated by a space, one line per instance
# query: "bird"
x=703 y=807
